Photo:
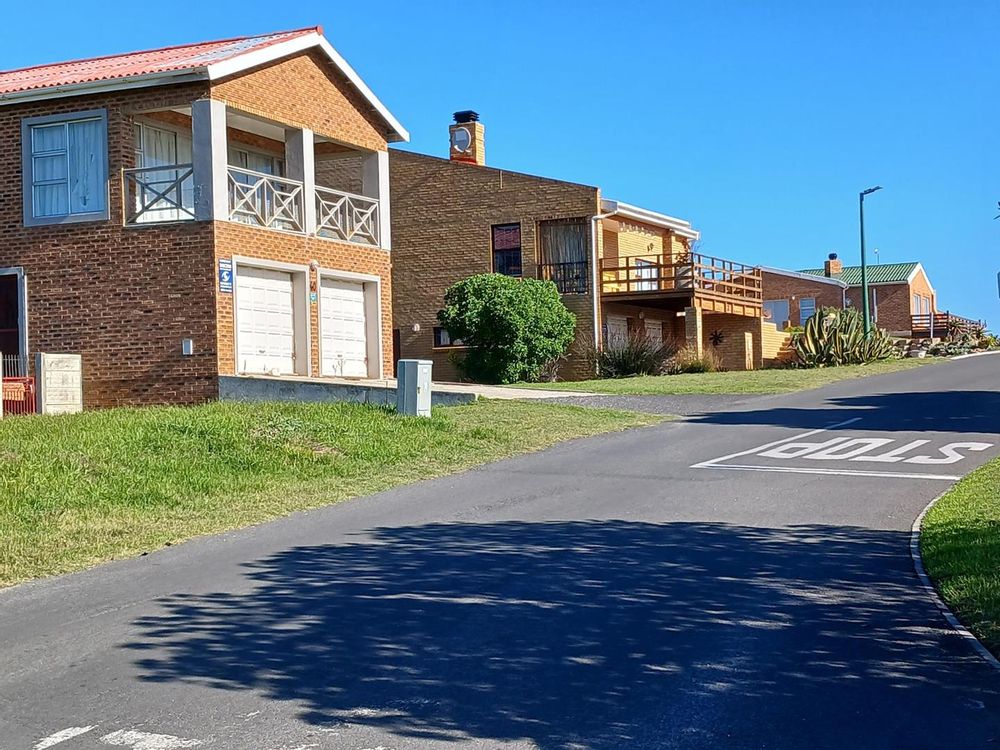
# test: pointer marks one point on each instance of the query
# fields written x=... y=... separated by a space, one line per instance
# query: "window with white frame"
x=65 y=167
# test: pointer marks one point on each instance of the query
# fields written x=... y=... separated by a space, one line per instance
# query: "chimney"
x=833 y=266
x=467 y=142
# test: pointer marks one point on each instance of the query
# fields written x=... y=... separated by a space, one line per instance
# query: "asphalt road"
x=735 y=580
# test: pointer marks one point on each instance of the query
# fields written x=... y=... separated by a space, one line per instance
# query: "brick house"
x=791 y=297
x=620 y=268
x=176 y=217
x=898 y=292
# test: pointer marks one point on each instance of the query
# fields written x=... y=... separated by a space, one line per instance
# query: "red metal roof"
x=147 y=62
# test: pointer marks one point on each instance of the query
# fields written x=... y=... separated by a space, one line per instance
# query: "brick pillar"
x=693 y=329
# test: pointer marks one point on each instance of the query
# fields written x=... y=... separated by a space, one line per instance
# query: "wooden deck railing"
x=941 y=325
x=703 y=275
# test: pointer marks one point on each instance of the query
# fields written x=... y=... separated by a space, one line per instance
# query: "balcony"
x=156 y=195
x=569 y=278
x=210 y=162
x=716 y=284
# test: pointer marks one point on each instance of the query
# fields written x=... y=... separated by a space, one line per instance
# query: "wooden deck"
x=941 y=325
x=712 y=284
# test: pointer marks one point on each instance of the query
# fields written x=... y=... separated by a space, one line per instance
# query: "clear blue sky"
x=757 y=121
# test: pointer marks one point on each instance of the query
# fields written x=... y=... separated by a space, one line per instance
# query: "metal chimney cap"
x=466 y=115
x=832 y=256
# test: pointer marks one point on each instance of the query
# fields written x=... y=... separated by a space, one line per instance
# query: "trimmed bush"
x=631 y=355
x=512 y=327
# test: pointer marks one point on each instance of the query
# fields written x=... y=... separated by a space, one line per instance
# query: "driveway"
x=738 y=579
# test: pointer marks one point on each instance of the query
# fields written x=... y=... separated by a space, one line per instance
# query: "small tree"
x=512 y=327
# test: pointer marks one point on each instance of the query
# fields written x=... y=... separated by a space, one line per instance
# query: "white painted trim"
x=240 y=63
x=804 y=276
x=636 y=213
x=366 y=280
x=300 y=308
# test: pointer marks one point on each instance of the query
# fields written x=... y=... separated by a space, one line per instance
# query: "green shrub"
x=630 y=355
x=688 y=360
x=512 y=327
x=834 y=337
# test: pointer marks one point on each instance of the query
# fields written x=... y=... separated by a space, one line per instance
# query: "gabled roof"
x=188 y=62
x=881 y=273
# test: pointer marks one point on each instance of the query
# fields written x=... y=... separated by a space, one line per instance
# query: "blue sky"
x=759 y=122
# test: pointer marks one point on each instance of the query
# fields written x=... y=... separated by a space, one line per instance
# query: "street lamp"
x=865 y=311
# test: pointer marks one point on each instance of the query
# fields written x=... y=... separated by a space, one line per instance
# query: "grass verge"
x=960 y=546
x=78 y=490
x=752 y=382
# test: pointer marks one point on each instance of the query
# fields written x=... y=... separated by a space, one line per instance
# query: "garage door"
x=265 y=322
x=343 y=329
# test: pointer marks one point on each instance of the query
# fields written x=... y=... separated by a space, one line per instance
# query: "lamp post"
x=865 y=311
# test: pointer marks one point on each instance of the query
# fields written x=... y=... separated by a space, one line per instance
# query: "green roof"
x=884 y=273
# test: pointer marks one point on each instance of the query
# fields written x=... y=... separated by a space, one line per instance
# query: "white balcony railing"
x=345 y=216
x=265 y=200
x=166 y=194
x=159 y=194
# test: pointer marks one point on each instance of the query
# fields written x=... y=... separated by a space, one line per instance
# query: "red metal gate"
x=18 y=396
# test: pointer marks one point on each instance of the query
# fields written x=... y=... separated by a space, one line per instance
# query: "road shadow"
x=933 y=411
x=605 y=634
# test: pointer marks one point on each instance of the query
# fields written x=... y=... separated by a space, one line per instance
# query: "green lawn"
x=755 y=381
x=77 y=490
x=960 y=545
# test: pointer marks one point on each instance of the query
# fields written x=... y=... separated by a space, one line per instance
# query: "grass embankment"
x=960 y=545
x=752 y=382
x=78 y=490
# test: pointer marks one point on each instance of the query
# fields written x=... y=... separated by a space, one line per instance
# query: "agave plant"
x=834 y=337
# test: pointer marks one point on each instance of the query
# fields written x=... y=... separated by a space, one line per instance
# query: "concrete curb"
x=928 y=584
x=974 y=354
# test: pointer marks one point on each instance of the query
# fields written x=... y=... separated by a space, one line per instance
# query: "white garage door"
x=343 y=330
x=265 y=327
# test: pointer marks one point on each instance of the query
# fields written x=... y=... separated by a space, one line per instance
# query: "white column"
x=210 y=160
x=375 y=184
x=300 y=165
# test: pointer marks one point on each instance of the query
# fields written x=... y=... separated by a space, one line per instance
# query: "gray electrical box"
x=413 y=387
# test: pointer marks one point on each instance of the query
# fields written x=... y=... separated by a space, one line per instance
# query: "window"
x=168 y=193
x=915 y=304
x=807 y=308
x=65 y=167
x=507 y=249
x=776 y=311
x=564 y=254
x=443 y=340
x=646 y=269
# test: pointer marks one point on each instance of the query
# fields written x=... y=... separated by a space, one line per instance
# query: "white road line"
x=147 y=740
x=711 y=462
x=61 y=736
x=831 y=472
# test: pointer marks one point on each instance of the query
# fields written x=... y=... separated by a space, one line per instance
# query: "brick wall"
x=734 y=350
x=232 y=239
x=776 y=286
x=122 y=297
x=442 y=213
x=305 y=91
x=893 y=302
x=125 y=297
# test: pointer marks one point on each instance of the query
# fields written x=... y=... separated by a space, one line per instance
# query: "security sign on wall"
x=225 y=276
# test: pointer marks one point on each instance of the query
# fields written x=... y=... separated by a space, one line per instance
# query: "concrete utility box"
x=413 y=387
x=58 y=383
